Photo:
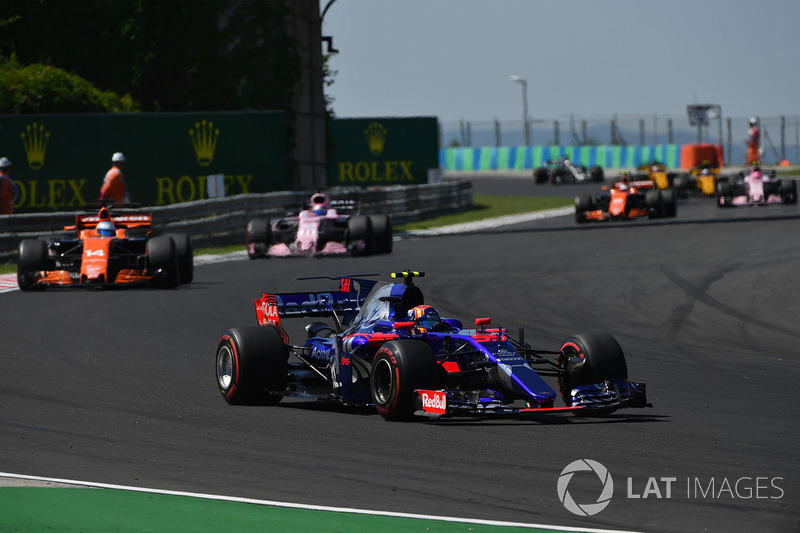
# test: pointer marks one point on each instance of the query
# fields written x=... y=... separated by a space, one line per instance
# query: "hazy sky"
x=453 y=58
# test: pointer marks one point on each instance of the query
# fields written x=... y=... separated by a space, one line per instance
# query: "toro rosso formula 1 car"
x=626 y=200
x=104 y=253
x=756 y=188
x=385 y=348
x=320 y=230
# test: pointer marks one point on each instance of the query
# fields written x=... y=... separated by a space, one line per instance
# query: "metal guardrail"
x=222 y=221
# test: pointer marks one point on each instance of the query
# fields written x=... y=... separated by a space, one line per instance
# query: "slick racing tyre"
x=597 y=174
x=162 y=262
x=654 y=203
x=587 y=359
x=540 y=175
x=381 y=234
x=681 y=186
x=359 y=237
x=185 y=256
x=724 y=194
x=252 y=366
x=257 y=237
x=669 y=203
x=583 y=204
x=399 y=368
x=788 y=189
x=32 y=259
x=558 y=176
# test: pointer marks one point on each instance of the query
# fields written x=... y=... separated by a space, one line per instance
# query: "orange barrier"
x=693 y=155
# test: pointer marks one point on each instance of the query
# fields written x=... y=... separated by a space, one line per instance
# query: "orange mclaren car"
x=106 y=250
x=625 y=200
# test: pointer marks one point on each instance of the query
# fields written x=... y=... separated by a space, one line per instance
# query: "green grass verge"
x=788 y=173
x=490 y=206
x=484 y=206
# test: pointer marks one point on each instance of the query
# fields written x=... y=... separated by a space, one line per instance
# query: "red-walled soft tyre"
x=252 y=366
x=398 y=369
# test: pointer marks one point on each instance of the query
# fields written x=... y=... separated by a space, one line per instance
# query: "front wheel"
x=252 y=366
x=399 y=368
x=588 y=359
x=597 y=174
x=258 y=237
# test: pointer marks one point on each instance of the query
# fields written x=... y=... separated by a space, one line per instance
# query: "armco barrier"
x=222 y=221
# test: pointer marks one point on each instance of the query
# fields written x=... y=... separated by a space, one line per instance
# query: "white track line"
x=490 y=223
x=305 y=506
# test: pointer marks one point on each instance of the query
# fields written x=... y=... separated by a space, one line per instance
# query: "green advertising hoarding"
x=59 y=161
x=383 y=151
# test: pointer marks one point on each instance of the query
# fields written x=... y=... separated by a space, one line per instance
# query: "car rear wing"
x=87 y=221
x=342 y=304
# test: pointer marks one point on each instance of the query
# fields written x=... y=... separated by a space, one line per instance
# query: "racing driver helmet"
x=426 y=317
x=319 y=203
x=106 y=229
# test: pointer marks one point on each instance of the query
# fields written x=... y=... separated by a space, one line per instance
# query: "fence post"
x=783 y=137
x=730 y=140
x=669 y=131
x=496 y=132
x=555 y=133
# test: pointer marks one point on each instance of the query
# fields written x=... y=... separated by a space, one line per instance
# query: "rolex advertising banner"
x=383 y=151
x=59 y=161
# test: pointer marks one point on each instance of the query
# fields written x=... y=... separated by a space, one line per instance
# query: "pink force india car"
x=756 y=187
x=324 y=228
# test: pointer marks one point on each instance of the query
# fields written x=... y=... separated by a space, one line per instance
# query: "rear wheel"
x=162 y=261
x=185 y=256
x=252 y=366
x=398 y=369
x=540 y=175
x=587 y=359
x=381 y=234
x=359 y=235
x=32 y=259
x=788 y=191
x=597 y=174
x=257 y=237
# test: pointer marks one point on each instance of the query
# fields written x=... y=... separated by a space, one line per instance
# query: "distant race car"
x=756 y=187
x=702 y=180
x=658 y=174
x=562 y=170
x=324 y=228
x=384 y=347
x=105 y=253
x=625 y=200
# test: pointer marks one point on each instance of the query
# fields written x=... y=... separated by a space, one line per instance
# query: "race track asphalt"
x=118 y=386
